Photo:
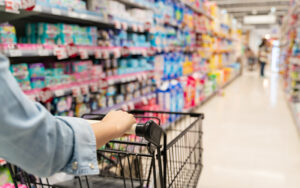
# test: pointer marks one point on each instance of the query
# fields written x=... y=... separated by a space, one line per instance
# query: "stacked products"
x=192 y=55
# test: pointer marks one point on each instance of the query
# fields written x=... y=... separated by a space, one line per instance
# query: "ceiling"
x=241 y=8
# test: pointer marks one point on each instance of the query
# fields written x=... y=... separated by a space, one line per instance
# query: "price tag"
x=28 y=4
x=118 y=25
x=38 y=8
x=76 y=91
x=73 y=14
x=94 y=87
x=12 y=6
x=159 y=49
x=105 y=54
x=144 y=52
x=134 y=27
x=125 y=107
x=56 y=11
x=117 y=53
x=61 y=53
x=59 y=93
x=83 y=54
x=124 y=26
x=134 y=51
x=131 y=105
x=141 y=29
x=147 y=26
x=98 y=54
x=144 y=100
x=84 y=90
x=83 y=16
x=125 y=51
x=15 y=53
x=46 y=95
x=110 y=82
x=43 y=52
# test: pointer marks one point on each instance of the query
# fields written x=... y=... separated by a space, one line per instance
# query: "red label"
x=46 y=95
x=61 y=53
x=12 y=6
x=28 y=4
x=71 y=50
x=83 y=54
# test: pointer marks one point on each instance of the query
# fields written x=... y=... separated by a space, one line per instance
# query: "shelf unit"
x=127 y=105
x=291 y=60
x=92 y=19
x=197 y=10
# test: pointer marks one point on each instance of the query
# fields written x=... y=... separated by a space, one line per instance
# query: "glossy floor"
x=250 y=140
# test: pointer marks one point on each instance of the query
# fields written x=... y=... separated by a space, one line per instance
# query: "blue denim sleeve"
x=36 y=141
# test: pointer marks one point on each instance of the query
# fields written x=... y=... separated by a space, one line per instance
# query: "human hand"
x=119 y=121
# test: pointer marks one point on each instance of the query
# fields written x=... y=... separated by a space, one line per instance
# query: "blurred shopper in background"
x=251 y=60
x=263 y=56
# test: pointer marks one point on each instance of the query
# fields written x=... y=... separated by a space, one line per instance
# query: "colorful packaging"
x=36 y=70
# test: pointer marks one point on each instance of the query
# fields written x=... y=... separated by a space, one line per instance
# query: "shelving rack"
x=291 y=60
x=91 y=19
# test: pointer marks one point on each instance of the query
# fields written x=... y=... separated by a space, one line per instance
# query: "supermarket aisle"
x=250 y=140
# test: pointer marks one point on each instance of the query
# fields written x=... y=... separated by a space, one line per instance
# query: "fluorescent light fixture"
x=273 y=10
x=260 y=19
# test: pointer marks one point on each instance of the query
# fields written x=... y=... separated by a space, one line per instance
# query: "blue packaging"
x=163 y=94
x=37 y=82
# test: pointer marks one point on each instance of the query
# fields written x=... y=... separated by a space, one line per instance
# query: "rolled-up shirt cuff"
x=84 y=158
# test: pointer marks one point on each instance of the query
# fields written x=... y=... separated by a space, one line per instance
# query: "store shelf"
x=87 y=18
x=202 y=32
x=83 y=87
x=128 y=77
x=84 y=52
x=198 y=10
x=127 y=105
x=295 y=113
x=133 y=4
x=220 y=51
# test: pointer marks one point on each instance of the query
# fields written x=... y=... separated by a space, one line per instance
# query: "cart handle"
x=149 y=130
x=130 y=131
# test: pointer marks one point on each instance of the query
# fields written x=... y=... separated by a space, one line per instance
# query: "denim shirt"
x=38 y=142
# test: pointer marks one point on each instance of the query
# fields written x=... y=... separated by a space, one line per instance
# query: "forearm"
x=103 y=133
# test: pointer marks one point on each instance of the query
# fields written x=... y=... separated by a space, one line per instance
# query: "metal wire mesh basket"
x=166 y=151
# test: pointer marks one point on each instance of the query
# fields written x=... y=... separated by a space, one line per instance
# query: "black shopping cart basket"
x=165 y=151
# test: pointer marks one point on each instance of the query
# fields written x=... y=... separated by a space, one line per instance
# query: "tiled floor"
x=250 y=140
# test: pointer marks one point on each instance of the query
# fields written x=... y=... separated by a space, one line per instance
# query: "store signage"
x=260 y=19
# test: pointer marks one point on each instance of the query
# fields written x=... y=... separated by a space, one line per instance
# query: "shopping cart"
x=159 y=155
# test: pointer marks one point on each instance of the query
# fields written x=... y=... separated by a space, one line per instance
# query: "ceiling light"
x=273 y=10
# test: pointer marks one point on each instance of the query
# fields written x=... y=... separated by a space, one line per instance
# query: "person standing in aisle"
x=263 y=56
x=250 y=58
x=42 y=144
